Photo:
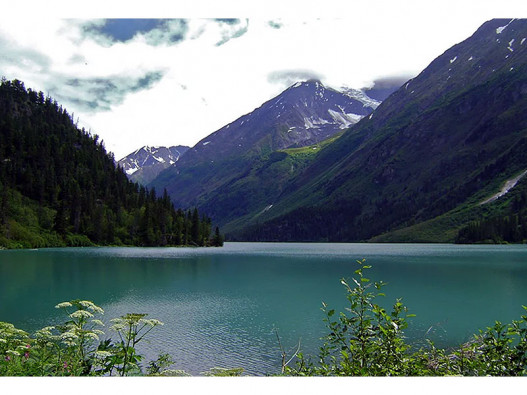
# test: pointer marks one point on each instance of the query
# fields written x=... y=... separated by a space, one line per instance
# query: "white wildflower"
x=3 y=341
x=97 y=309
x=68 y=336
x=6 y=327
x=91 y=306
x=13 y=352
x=153 y=322
x=97 y=331
x=22 y=347
x=44 y=332
x=92 y=335
x=103 y=354
x=98 y=322
x=117 y=327
x=19 y=332
x=63 y=305
x=81 y=314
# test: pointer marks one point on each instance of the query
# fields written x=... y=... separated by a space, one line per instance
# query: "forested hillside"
x=59 y=186
x=506 y=224
x=432 y=151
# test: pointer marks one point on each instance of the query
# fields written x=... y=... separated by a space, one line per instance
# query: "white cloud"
x=197 y=85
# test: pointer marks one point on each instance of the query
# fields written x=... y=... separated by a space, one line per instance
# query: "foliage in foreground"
x=367 y=340
x=75 y=348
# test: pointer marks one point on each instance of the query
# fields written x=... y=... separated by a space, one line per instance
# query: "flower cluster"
x=75 y=347
x=81 y=305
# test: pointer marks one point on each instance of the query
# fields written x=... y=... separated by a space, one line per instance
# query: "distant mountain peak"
x=145 y=163
x=307 y=111
x=311 y=82
x=304 y=114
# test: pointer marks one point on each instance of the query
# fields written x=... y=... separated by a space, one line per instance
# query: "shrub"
x=366 y=340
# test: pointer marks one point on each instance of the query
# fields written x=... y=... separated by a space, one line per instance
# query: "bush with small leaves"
x=366 y=340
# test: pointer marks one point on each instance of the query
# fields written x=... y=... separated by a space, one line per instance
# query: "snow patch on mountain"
x=500 y=29
x=345 y=120
x=362 y=97
x=510 y=45
x=131 y=170
x=153 y=159
x=314 y=122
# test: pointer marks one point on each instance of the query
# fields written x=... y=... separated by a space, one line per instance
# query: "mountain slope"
x=304 y=114
x=454 y=132
x=144 y=164
x=59 y=187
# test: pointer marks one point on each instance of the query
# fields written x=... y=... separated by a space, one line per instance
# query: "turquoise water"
x=221 y=306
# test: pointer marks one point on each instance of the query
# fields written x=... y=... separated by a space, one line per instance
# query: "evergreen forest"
x=59 y=186
x=507 y=227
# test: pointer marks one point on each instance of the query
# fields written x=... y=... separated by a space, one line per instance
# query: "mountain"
x=59 y=187
x=304 y=114
x=144 y=164
x=418 y=168
x=384 y=87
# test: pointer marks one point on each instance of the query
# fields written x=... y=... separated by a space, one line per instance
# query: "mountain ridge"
x=145 y=163
x=303 y=114
x=449 y=114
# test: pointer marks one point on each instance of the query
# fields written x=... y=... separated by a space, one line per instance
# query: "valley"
x=322 y=192
x=423 y=161
x=441 y=141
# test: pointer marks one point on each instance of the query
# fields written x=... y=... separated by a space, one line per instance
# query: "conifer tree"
x=72 y=186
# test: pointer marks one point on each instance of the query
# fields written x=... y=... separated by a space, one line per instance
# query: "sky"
x=171 y=73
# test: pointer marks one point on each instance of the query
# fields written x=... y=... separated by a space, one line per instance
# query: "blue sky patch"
x=123 y=30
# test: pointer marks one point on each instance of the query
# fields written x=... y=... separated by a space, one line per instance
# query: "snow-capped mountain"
x=304 y=114
x=144 y=164
x=448 y=139
x=361 y=97
x=311 y=105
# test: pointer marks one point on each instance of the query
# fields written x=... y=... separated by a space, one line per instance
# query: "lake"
x=222 y=306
